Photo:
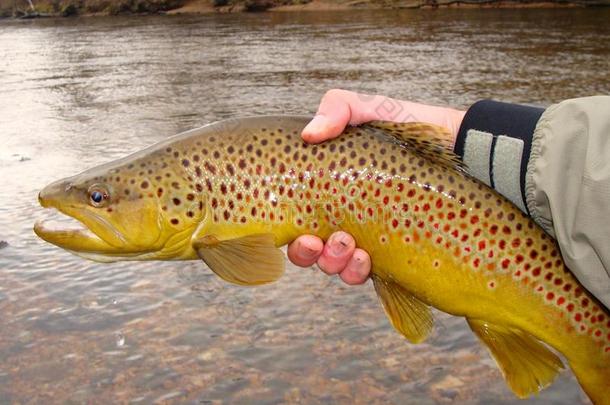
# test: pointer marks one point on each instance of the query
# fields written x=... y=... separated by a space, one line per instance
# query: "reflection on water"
x=78 y=92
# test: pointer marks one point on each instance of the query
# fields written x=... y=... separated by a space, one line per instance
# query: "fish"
x=233 y=192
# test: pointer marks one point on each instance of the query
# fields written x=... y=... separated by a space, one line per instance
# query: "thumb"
x=333 y=116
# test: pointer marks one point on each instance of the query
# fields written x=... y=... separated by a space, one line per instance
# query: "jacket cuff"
x=494 y=141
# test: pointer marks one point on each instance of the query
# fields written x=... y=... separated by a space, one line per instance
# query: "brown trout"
x=232 y=192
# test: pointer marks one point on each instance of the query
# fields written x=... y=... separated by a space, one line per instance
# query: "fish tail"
x=594 y=379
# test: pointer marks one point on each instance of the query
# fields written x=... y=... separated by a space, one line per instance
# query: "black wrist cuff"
x=513 y=125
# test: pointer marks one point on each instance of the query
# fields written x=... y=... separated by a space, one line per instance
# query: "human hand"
x=338 y=256
x=338 y=109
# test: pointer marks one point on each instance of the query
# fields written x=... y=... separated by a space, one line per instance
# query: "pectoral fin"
x=248 y=260
x=527 y=365
x=408 y=315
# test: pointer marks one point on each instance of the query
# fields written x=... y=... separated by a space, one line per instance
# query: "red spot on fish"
x=536 y=272
x=395 y=223
x=439 y=203
x=482 y=245
x=505 y=263
x=476 y=262
x=585 y=302
x=502 y=244
x=474 y=219
x=550 y=296
x=516 y=242
x=493 y=229
x=578 y=317
x=451 y=215
x=533 y=254
x=519 y=259
x=560 y=300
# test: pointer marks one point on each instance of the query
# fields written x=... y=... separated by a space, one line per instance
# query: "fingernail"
x=338 y=244
x=360 y=268
x=306 y=251
x=317 y=125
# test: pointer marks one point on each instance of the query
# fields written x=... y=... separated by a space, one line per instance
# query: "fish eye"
x=97 y=196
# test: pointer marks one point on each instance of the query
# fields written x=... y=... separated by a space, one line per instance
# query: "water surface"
x=78 y=92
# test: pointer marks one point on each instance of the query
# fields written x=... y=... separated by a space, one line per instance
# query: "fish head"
x=119 y=219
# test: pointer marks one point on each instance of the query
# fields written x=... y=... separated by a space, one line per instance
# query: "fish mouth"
x=93 y=237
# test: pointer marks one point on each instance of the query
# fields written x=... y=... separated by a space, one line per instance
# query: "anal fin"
x=527 y=365
x=408 y=315
x=248 y=260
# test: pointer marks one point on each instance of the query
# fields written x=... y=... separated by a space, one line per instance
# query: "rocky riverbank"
x=67 y=8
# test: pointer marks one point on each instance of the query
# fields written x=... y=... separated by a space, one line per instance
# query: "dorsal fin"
x=430 y=141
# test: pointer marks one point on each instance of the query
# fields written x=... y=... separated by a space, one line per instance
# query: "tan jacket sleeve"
x=567 y=186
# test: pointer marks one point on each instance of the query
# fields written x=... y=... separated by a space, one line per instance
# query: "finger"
x=357 y=269
x=338 y=250
x=334 y=114
x=305 y=250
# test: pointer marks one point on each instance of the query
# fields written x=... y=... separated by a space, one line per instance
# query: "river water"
x=78 y=92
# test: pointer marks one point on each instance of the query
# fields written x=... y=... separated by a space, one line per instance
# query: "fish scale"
x=435 y=235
